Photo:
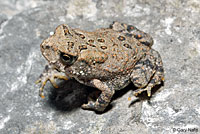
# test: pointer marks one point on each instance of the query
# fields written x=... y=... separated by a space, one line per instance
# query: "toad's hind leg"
x=104 y=98
x=148 y=72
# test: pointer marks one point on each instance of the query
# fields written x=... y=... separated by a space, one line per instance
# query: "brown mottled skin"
x=107 y=59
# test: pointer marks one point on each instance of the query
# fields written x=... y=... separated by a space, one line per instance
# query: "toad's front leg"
x=104 y=98
x=50 y=73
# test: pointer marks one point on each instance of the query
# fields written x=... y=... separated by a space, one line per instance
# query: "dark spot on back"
x=130 y=28
x=127 y=46
x=138 y=36
x=80 y=35
x=101 y=40
x=92 y=45
x=146 y=43
x=103 y=47
x=121 y=38
x=91 y=41
x=82 y=47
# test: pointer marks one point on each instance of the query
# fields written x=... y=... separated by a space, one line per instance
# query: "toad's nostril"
x=47 y=46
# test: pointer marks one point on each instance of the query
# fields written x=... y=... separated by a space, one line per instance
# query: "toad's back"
x=113 y=51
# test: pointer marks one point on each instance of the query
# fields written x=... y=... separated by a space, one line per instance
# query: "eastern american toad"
x=107 y=59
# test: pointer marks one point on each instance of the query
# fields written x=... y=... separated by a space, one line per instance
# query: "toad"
x=107 y=59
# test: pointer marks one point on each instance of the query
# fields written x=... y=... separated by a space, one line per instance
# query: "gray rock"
x=173 y=107
x=13 y=7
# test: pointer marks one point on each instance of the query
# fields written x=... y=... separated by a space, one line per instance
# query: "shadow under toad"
x=71 y=95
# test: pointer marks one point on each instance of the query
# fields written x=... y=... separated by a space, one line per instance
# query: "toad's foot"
x=139 y=91
x=89 y=105
x=149 y=86
x=91 y=100
x=50 y=74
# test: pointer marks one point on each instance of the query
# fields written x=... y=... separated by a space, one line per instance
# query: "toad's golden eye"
x=67 y=59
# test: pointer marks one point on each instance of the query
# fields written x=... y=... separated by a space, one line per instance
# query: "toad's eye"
x=67 y=59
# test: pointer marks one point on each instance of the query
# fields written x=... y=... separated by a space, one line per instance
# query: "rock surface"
x=173 y=108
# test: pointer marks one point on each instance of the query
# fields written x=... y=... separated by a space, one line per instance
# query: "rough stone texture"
x=175 y=28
